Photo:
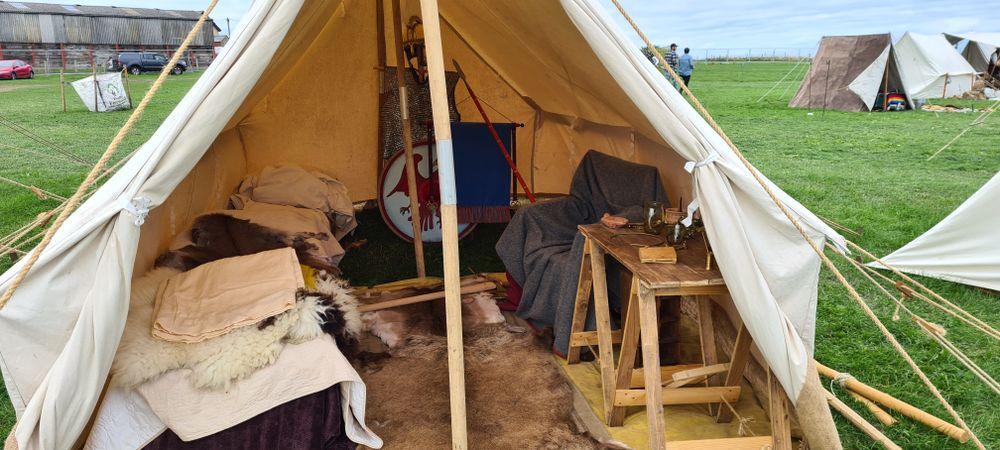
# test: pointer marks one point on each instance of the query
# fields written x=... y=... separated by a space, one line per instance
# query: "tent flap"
x=963 y=247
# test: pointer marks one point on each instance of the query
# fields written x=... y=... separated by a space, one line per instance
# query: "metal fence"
x=724 y=55
x=82 y=58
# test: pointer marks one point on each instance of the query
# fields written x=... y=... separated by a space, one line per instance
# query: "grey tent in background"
x=838 y=62
x=977 y=52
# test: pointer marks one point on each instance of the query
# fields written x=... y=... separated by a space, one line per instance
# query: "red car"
x=13 y=69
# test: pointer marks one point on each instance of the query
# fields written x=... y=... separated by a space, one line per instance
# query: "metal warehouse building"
x=74 y=37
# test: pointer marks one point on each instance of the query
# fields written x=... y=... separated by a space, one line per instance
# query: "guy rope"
x=96 y=171
x=798 y=226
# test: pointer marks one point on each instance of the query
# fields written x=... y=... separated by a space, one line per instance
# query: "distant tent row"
x=849 y=73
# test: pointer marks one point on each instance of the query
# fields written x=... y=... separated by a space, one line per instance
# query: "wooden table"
x=623 y=386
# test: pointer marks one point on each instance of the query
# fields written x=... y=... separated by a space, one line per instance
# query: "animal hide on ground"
x=217 y=236
x=392 y=326
x=515 y=395
x=218 y=362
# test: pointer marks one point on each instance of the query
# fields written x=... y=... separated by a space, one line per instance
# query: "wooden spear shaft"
x=858 y=421
x=891 y=402
x=411 y=169
x=449 y=221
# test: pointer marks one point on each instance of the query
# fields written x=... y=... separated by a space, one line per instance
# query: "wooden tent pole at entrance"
x=449 y=220
x=404 y=114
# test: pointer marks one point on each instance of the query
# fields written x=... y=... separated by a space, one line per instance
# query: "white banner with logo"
x=111 y=93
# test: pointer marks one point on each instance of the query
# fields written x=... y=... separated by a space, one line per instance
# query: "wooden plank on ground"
x=585 y=338
x=745 y=443
x=680 y=396
x=666 y=373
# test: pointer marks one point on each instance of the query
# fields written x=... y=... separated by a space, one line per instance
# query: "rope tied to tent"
x=96 y=171
x=695 y=204
x=799 y=227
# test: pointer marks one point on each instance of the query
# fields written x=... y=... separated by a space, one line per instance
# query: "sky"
x=791 y=25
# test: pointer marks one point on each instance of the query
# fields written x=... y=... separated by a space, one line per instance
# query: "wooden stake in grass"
x=62 y=87
x=96 y=89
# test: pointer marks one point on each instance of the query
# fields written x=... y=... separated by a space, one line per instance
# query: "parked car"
x=139 y=62
x=13 y=69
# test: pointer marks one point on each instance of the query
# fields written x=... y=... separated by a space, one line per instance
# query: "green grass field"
x=865 y=171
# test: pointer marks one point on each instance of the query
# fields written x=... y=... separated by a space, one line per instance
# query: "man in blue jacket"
x=685 y=66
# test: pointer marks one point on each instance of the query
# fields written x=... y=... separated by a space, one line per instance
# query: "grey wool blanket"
x=542 y=248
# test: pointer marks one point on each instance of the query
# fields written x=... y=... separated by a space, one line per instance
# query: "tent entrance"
x=891 y=89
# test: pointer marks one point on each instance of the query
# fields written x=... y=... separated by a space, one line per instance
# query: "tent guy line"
x=979 y=121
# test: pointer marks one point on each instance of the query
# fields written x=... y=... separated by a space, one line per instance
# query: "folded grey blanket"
x=542 y=248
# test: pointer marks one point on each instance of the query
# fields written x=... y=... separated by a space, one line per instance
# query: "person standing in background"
x=672 y=58
x=672 y=61
x=685 y=66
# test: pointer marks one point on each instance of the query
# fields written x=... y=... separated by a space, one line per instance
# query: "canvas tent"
x=839 y=64
x=978 y=49
x=930 y=67
x=296 y=84
x=963 y=247
x=849 y=72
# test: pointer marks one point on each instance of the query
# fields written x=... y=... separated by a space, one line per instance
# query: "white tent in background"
x=930 y=67
x=295 y=84
x=964 y=247
x=977 y=52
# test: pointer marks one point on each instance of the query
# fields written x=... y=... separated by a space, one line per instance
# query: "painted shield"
x=394 y=201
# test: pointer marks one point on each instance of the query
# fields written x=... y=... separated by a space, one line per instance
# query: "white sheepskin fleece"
x=217 y=363
x=343 y=299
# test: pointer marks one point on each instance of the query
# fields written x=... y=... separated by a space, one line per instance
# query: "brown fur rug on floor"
x=516 y=398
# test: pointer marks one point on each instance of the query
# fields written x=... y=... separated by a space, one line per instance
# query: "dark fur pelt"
x=218 y=236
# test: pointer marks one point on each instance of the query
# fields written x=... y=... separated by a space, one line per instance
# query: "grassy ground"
x=865 y=171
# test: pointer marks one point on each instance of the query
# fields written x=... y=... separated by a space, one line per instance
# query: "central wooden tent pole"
x=449 y=220
x=404 y=115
